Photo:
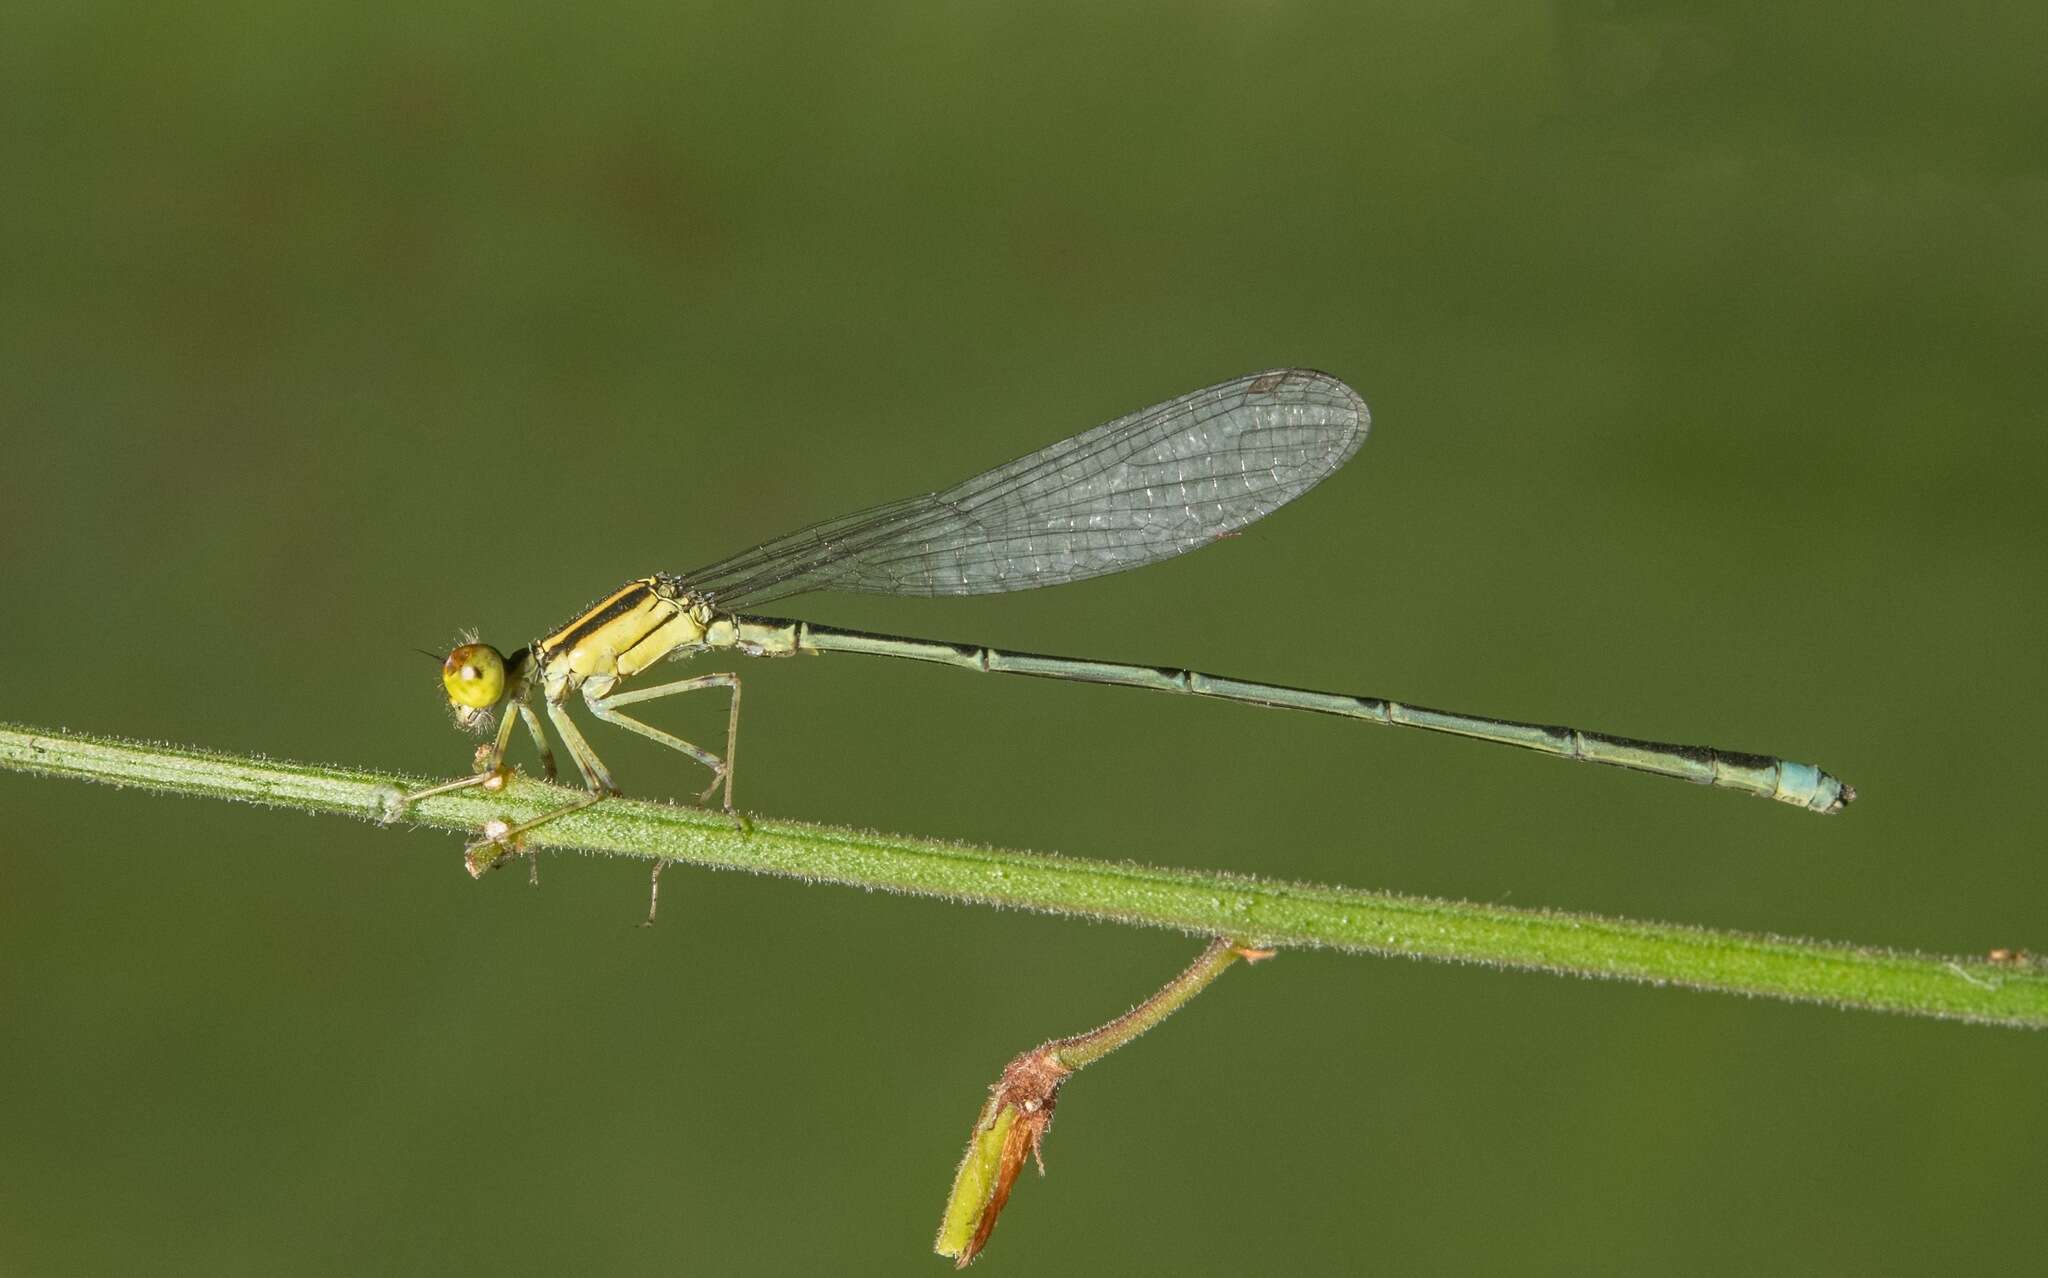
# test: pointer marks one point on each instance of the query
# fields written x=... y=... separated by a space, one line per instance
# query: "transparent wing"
x=1134 y=491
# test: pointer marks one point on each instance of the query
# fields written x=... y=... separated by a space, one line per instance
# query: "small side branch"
x=1013 y=1123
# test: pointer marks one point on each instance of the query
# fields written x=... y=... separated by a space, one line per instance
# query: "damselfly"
x=1134 y=491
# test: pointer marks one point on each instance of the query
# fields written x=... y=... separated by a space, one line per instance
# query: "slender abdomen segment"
x=1800 y=784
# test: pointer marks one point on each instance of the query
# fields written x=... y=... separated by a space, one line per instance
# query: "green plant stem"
x=1206 y=903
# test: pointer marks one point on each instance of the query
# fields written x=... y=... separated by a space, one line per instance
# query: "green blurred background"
x=1705 y=349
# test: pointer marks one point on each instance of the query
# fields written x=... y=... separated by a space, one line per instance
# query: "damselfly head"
x=474 y=676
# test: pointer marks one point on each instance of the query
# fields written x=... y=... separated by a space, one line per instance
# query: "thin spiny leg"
x=547 y=766
x=595 y=775
x=540 y=740
x=491 y=772
x=604 y=711
x=606 y=708
x=653 y=893
x=398 y=803
x=732 y=741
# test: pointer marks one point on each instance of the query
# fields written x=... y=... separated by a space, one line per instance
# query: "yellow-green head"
x=475 y=676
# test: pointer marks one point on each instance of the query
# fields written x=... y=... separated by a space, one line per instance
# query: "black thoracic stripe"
x=600 y=613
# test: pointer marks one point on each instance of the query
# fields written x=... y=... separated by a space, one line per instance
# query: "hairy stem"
x=1078 y=1050
x=1261 y=911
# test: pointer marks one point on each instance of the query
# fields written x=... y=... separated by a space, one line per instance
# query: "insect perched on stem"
x=1131 y=492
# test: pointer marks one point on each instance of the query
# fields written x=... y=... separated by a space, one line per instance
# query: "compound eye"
x=474 y=675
